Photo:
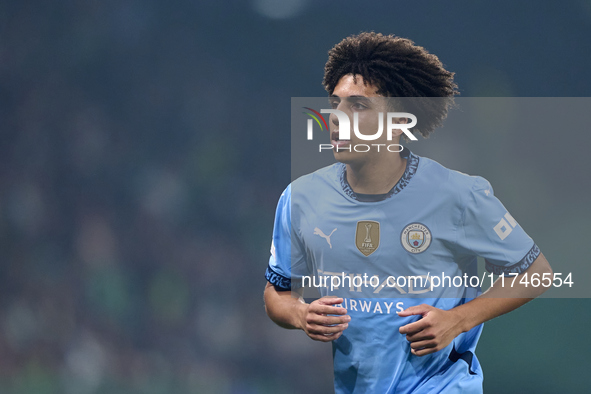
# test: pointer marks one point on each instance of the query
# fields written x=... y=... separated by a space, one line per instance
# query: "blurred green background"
x=143 y=147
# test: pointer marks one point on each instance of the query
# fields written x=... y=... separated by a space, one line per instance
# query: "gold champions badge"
x=367 y=236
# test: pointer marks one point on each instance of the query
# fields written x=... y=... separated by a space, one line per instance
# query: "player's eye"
x=333 y=103
x=358 y=106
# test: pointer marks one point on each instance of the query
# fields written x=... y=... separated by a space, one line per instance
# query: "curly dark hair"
x=397 y=68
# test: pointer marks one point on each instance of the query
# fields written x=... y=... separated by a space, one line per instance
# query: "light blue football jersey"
x=433 y=223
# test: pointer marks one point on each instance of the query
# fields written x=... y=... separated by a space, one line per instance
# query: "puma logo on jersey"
x=319 y=232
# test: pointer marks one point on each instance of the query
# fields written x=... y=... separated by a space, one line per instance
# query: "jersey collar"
x=412 y=163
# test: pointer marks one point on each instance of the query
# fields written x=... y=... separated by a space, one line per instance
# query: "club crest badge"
x=415 y=238
x=367 y=236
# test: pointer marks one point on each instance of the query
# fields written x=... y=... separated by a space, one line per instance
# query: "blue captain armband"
x=518 y=267
x=280 y=282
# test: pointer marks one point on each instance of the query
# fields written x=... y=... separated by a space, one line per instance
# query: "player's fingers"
x=319 y=329
x=327 y=320
x=325 y=338
x=423 y=352
x=423 y=335
x=415 y=310
x=330 y=300
x=327 y=309
x=321 y=338
x=428 y=344
x=415 y=327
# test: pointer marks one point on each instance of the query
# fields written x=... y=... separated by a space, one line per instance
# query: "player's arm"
x=503 y=296
x=293 y=313
x=437 y=328
x=488 y=230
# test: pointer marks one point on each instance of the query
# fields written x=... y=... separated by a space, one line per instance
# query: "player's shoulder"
x=453 y=180
x=304 y=192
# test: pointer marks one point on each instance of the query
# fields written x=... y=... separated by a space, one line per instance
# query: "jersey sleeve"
x=488 y=230
x=285 y=247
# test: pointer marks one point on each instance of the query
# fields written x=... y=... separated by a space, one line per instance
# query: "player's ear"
x=398 y=132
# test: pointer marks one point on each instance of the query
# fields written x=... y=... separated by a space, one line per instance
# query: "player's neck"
x=376 y=176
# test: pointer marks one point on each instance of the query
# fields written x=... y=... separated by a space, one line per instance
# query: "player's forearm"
x=285 y=310
x=499 y=299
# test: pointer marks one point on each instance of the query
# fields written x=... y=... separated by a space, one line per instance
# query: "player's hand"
x=318 y=325
x=434 y=331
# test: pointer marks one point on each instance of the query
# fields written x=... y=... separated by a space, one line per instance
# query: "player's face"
x=352 y=96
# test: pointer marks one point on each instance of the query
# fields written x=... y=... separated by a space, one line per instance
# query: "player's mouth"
x=336 y=142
